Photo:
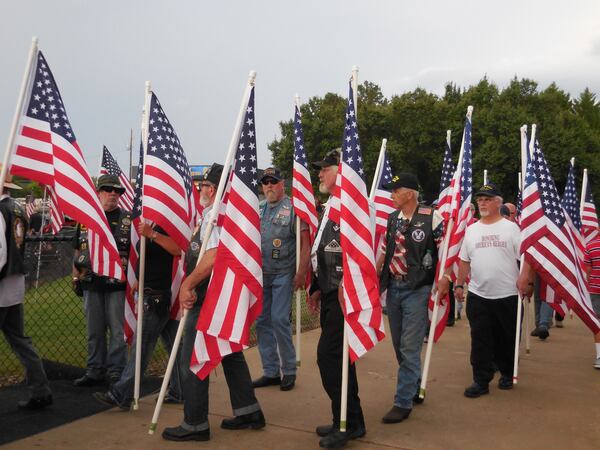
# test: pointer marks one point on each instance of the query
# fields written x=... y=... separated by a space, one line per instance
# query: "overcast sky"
x=197 y=54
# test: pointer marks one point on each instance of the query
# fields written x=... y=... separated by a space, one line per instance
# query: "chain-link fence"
x=54 y=314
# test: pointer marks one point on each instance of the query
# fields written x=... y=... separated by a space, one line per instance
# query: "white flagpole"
x=378 y=168
x=344 y=400
x=299 y=291
x=448 y=141
x=524 y=150
x=18 y=111
x=434 y=313
x=527 y=302
x=142 y=264
x=213 y=218
x=573 y=165
x=584 y=183
x=37 y=274
x=485 y=176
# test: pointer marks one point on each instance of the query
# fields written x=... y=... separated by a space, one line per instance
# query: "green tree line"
x=415 y=125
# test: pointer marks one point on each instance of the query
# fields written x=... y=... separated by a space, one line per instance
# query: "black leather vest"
x=329 y=259
x=191 y=258
x=16 y=224
x=122 y=235
x=419 y=241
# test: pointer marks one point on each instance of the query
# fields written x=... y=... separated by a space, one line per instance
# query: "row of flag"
x=46 y=151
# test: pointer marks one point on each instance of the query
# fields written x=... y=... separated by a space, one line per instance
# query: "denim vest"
x=278 y=236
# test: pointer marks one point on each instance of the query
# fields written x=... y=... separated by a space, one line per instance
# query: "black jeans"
x=195 y=390
x=329 y=359
x=493 y=326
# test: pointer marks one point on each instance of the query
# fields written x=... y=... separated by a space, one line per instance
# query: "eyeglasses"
x=110 y=189
x=269 y=181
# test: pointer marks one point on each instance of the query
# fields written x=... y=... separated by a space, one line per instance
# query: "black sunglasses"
x=110 y=189
x=269 y=181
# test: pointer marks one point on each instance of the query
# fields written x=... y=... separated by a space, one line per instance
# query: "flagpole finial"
x=297 y=101
x=523 y=128
x=34 y=40
x=573 y=161
x=252 y=77
x=469 y=111
x=448 y=135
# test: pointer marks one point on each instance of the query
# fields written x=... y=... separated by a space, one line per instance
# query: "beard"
x=204 y=200
x=323 y=189
x=271 y=197
x=483 y=213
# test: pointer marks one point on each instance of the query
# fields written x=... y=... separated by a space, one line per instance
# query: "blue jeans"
x=407 y=312
x=105 y=310
x=273 y=326
x=153 y=326
x=12 y=325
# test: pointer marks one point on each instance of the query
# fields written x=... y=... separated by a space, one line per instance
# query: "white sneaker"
x=597 y=363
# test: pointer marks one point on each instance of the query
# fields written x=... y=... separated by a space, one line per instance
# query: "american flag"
x=168 y=197
x=362 y=307
x=57 y=218
x=460 y=209
x=234 y=296
x=382 y=198
x=589 y=218
x=30 y=205
x=47 y=152
x=549 y=240
x=303 y=198
x=111 y=167
x=445 y=197
x=134 y=256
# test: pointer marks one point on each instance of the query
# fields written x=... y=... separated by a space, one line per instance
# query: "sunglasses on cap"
x=110 y=189
x=269 y=181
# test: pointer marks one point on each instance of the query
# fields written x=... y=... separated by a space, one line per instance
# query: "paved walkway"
x=556 y=405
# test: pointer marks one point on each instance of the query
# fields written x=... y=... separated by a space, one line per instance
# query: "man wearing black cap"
x=13 y=224
x=103 y=297
x=280 y=279
x=325 y=294
x=489 y=255
x=247 y=411
x=407 y=270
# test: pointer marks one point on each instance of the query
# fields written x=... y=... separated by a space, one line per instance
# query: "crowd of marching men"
x=166 y=258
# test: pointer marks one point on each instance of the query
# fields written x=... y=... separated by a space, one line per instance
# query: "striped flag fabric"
x=57 y=218
x=589 y=218
x=110 y=166
x=46 y=151
x=234 y=295
x=130 y=322
x=29 y=205
x=549 y=240
x=460 y=209
x=303 y=198
x=167 y=188
x=362 y=307
x=445 y=197
x=383 y=199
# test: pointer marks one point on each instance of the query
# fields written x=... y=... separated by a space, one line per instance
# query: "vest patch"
x=18 y=231
x=418 y=235
x=333 y=246
x=425 y=211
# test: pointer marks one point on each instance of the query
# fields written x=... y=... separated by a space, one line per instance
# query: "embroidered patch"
x=334 y=247
x=418 y=235
x=424 y=211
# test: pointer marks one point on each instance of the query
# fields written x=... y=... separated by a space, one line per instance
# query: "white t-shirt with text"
x=493 y=251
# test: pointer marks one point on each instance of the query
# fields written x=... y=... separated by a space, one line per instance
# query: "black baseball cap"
x=488 y=190
x=213 y=174
x=271 y=172
x=332 y=158
x=403 y=180
x=110 y=181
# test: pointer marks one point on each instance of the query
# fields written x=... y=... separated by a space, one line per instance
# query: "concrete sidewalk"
x=556 y=404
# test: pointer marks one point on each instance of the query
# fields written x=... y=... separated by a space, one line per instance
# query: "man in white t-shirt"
x=489 y=255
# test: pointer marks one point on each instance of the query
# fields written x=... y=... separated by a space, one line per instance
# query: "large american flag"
x=110 y=166
x=46 y=151
x=168 y=198
x=234 y=296
x=549 y=240
x=445 y=197
x=134 y=256
x=589 y=218
x=303 y=198
x=362 y=307
x=460 y=209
